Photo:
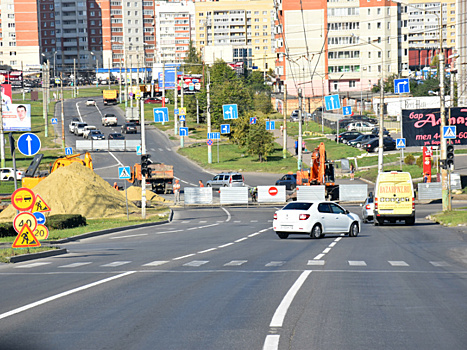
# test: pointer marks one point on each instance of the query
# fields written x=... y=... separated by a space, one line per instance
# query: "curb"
x=26 y=257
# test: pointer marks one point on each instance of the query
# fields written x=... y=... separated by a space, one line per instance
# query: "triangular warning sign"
x=401 y=143
x=40 y=205
x=26 y=239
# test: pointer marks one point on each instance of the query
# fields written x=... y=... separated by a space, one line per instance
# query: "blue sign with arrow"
x=214 y=135
x=401 y=86
x=183 y=131
x=332 y=102
x=230 y=111
x=347 y=110
x=40 y=217
x=161 y=115
x=29 y=144
x=270 y=125
x=252 y=120
x=225 y=128
x=68 y=151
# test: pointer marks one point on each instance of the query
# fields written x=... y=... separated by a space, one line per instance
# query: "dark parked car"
x=96 y=135
x=359 y=141
x=347 y=135
x=129 y=128
x=288 y=180
x=343 y=123
x=389 y=144
x=116 y=136
x=364 y=118
x=375 y=131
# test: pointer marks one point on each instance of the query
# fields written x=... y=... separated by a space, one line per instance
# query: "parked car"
x=294 y=116
x=375 y=131
x=90 y=103
x=360 y=140
x=8 y=174
x=96 y=135
x=389 y=144
x=288 y=180
x=129 y=128
x=87 y=129
x=360 y=126
x=71 y=126
x=230 y=179
x=315 y=219
x=343 y=123
x=116 y=136
x=364 y=118
x=343 y=137
x=156 y=100
x=368 y=208
x=79 y=128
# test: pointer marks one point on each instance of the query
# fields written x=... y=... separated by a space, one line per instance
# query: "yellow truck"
x=394 y=198
x=110 y=97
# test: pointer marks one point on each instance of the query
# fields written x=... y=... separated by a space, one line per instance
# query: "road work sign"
x=40 y=205
x=22 y=199
x=26 y=239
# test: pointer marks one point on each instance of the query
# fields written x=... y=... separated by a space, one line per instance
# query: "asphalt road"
x=221 y=279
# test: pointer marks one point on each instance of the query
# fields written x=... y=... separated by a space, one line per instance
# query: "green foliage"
x=194 y=57
x=7 y=230
x=409 y=159
x=262 y=102
x=419 y=161
x=64 y=221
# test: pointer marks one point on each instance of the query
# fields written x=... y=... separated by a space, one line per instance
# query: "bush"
x=420 y=161
x=7 y=230
x=64 y=221
x=409 y=159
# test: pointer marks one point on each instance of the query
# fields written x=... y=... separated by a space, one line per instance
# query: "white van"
x=394 y=198
x=87 y=129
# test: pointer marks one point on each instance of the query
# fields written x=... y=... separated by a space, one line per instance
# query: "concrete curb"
x=26 y=257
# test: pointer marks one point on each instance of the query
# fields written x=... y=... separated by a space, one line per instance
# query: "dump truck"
x=321 y=173
x=110 y=97
x=161 y=177
x=32 y=176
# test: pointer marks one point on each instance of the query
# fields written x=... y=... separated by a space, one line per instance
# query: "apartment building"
x=461 y=61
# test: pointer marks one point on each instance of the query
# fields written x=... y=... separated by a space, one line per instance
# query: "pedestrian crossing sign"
x=124 y=172
x=449 y=132
x=26 y=239
x=400 y=143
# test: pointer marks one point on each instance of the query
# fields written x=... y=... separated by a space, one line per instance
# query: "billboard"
x=14 y=77
x=17 y=117
x=421 y=127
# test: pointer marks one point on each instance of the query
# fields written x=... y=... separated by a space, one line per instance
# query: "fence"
x=107 y=145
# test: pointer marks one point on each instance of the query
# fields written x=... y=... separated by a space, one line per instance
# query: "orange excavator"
x=321 y=173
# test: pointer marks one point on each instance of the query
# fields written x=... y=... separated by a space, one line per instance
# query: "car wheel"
x=316 y=231
x=410 y=221
x=282 y=235
x=353 y=232
x=11 y=179
x=378 y=222
x=208 y=185
x=364 y=220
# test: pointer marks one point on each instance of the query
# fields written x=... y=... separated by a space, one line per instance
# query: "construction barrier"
x=234 y=195
x=271 y=194
x=197 y=195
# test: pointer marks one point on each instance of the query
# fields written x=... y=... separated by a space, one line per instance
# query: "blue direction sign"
x=225 y=128
x=214 y=135
x=401 y=86
x=54 y=121
x=138 y=150
x=347 y=110
x=400 y=143
x=332 y=102
x=161 y=115
x=252 y=120
x=176 y=111
x=230 y=111
x=29 y=144
x=124 y=172
x=270 y=125
x=68 y=151
x=449 y=132
x=183 y=131
x=40 y=217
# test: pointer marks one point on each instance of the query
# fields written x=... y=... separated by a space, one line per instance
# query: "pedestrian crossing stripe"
x=124 y=172
x=40 y=205
x=26 y=239
x=449 y=132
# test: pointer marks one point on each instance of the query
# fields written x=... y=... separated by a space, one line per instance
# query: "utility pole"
x=44 y=95
x=300 y=140
x=284 y=141
x=2 y=142
x=143 y=151
x=176 y=115
x=208 y=114
x=62 y=115
x=182 y=138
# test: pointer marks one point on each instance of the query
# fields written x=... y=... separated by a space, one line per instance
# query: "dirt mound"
x=134 y=194
x=75 y=189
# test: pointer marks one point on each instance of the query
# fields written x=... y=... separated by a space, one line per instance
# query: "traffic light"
x=450 y=156
x=145 y=161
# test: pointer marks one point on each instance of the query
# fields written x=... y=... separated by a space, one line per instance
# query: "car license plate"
x=286 y=227
x=385 y=211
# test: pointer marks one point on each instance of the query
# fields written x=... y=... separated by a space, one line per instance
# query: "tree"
x=259 y=140
x=193 y=57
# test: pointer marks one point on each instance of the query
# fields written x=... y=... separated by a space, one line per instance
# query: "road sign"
x=183 y=131
x=400 y=143
x=401 y=86
x=161 y=115
x=29 y=144
x=54 y=121
x=41 y=232
x=22 y=199
x=25 y=218
x=182 y=118
x=347 y=110
x=252 y=120
x=40 y=205
x=182 y=111
x=124 y=172
x=230 y=111
x=39 y=217
x=176 y=111
x=68 y=151
x=26 y=239
x=332 y=102
x=214 y=135
x=225 y=128
x=449 y=132
x=270 y=125
x=209 y=142
x=138 y=150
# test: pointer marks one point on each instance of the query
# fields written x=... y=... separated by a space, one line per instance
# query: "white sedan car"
x=90 y=103
x=360 y=126
x=315 y=219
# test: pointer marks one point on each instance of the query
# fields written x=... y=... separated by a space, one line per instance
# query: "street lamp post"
x=97 y=68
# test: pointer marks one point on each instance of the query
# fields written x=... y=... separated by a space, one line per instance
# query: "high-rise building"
x=461 y=45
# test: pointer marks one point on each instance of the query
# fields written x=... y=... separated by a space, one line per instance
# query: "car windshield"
x=297 y=206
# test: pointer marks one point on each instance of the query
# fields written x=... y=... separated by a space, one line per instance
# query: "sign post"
x=124 y=173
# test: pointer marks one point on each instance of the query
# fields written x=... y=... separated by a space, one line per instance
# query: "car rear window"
x=237 y=178
x=298 y=206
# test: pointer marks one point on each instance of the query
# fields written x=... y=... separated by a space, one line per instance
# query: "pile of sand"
x=134 y=194
x=76 y=189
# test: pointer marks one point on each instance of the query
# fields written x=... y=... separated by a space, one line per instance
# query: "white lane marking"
x=236 y=263
x=28 y=266
x=357 y=263
x=332 y=244
x=253 y=220
x=116 y=263
x=208 y=225
x=169 y=149
x=327 y=250
x=220 y=221
x=241 y=239
x=130 y=236
x=207 y=250
x=184 y=256
x=318 y=257
x=237 y=221
x=161 y=149
x=254 y=234
x=202 y=222
x=78 y=264
x=226 y=245
x=279 y=315
x=196 y=263
x=271 y=342
x=439 y=263
x=337 y=239
x=156 y=263
x=275 y=263
x=398 y=263
x=192 y=228
x=119 y=163
x=185 y=221
x=316 y=262
x=61 y=295
x=228 y=214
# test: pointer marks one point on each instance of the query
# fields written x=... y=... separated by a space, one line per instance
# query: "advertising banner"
x=421 y=127
x=14 y=77
x=17 y=117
